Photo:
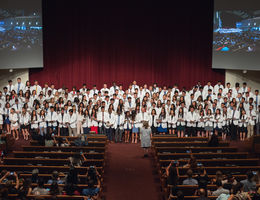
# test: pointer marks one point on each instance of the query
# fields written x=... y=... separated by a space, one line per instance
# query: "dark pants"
x=258 y=128
x=109 y=134
x=233 y=131
x=102 y=130
x=64 y=131
x=86 y=130
x=191 y=131
x=154 y=129
x=118 y=135
x=52 y=129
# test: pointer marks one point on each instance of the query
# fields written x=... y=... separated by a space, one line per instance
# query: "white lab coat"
x=101 y=117
x=86 y=122
x=172 y=121
x=72 y=120
x=21 y=87
x=42 y=122
x=153 y=121
x=251 y=114
x=35 y=122
x=37 y=88
x=191 y=117
x=119 y=121
x=24 y=119
x=53 y=117
x=209 y=120
x=14 y=119
x=127 y=123
x=218 y=121
x=235 y=116
x=242 y=123
x=63 y=120
x=110 y=120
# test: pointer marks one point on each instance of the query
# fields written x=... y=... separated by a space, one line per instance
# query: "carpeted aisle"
x=128 y=175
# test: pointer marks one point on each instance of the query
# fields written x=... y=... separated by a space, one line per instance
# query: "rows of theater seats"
x=57 y=158
x=221 y=158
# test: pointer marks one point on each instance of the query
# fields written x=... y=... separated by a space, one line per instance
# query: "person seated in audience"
x=192 y=164
x=25 y=189
x=202 y=178
x=3 y=174
x=239 y=193
x=220 y=190
x=249 y=184
x=4 y=193
x=229 y=182
x=55 y=189
x=172 y=176
x=49 y=142
x=11 y=182
x=70 y=189
x=55 y=178
x=257 y=177
x=92 y=190
x=72 y=176
x=219 y=176
x=190 y=180
x=40 y=190
x=202 y=194
x=179 y=196
x=35 y=175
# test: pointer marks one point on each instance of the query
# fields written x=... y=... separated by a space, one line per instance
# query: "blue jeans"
x=109 y=133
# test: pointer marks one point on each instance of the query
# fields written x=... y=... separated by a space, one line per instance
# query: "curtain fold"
x=94 y=43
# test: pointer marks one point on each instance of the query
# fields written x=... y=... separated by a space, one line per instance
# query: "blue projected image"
x=20 y=29
x=236 y=31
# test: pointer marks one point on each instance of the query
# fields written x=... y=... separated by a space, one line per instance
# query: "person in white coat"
x=242 y=124
x=119 y=124
x=72 y=123
x=209 y=122
x=201 y=124
x=80 y=117
x=86 y=122
x=34 y=124
x=135 y=127
x=109 y=124
x=218 y=121
x=251 y=114
x=101 y=116
x=225 y=123
x=162 y=122
x=24 y=120
x=7 y=122
x=172 y=121
x=233 y=116
x=36 y=87
x=10 y=86
x=63 y=120
x=13 y=117
x=19 y=86
x=153 y=121
x=181 y=122
x=191 y=119
x=42 y=123
x=127 y=126
x=52 y=119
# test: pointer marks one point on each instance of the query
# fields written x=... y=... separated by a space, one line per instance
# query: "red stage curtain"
x=95 y=43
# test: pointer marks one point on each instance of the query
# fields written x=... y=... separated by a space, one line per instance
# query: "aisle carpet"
x=129 y=176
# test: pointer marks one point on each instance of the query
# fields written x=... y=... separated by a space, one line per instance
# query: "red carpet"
x=128 y=175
